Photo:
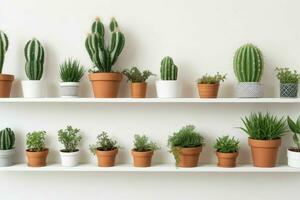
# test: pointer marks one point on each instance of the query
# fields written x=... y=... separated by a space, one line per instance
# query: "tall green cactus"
x=3 y=48
x=248 y=63
x=168 y=70
x=7 y=139
x=35 y=56
x=104 y=57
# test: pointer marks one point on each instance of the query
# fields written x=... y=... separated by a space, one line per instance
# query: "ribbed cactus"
x=34 y=55
x=168 y=70
x=104 y=57
x=248 y=63
x=7 y=139
x=3 y=48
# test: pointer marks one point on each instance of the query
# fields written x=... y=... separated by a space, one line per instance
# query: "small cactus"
x=7 y=139
x=168 y=70
x=3 y=48
x=34 y=55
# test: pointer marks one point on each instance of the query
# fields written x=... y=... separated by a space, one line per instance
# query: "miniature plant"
x=35 y=141
x=104 y=143
x=3 y=48
x=208 y=79
x=104 y=56
x=285 y=75
x=7 y=139
x=71 y=71
x=295 y=128
x=142 y=144
x=70 y=138
x=226 y=144
x=264 y=126
x=34 y=55
x=134 y=75
x=168 y=70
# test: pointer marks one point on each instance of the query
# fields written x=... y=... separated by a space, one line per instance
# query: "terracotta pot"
x=142 y=159
x=37 y=159
x=138 y=90
x=227 y=159
x=264 y=152
x=106 y=158
x=208 y=90
x=189 y=157
x=105 y=85
x=5 y=85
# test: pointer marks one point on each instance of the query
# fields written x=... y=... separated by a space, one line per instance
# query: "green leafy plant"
x=226 y=144
x=7 y=139
x=4 y=43
x=209 y=79
x=168 y=70
x=35 y=141
x=71 y=71
x=295 y=128
x=285 y=75
x=134 y=75
x=70 y=138
x=104 y=143
x=264 y=126
x=142 y=144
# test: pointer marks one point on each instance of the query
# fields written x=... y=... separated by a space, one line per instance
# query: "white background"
x=201 y=36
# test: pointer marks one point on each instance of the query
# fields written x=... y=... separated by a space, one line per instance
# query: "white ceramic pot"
x=69 y=159
x=168 y=89
x=33 y=89
x=249 y=90
x=293 y=158
x=6 y=157
x=69 y=89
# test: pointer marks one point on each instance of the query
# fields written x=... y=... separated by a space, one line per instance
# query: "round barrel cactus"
x=7 y=139
x=168 y=70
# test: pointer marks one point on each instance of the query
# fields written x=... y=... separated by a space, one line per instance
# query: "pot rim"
x=69 y=83
x=264 y=143
x=208 y=84
x=7 y=77
x=107 y=153
x=69 y=153
x=142 y=153
x=46 y=149
x=105 y=76
x=167 y=81
x=31 y=81
x=256 y=83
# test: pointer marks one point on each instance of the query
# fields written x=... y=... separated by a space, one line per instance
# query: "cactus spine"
x=104 y=57
x=34 y=55
x=168 y=70
x=248 y=63
x=3 y=48
x=7 y=139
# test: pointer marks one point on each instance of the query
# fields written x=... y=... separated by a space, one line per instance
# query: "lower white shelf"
x=154 y=168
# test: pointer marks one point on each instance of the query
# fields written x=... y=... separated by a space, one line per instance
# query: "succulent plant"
x=225 y=144
x=3 y=48
x=71 y=71
x=209 y=79
x=168 y=70
x=7 y=139
x=134 y=75
x=143 y=144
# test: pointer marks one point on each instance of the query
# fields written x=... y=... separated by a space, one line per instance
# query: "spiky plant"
x=71 y=71
x=168 y=70
x=35 y=141
x=35 y=56
x=7 y=139
x=104 y=143
x=143 y=144
x=3 y=48
x=70 y=138
x=209 y=79
x=226 y=144
x=134 y=75
x=295 y=128
x=104 y=56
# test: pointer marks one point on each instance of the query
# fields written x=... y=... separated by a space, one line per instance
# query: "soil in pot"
x=208 y=90
x=189 y=157
x=142 y=159
x=105 y=85
x=5 y=85
x=37 y=159
x=227 y=159
x=106 y=158
x=138 y=90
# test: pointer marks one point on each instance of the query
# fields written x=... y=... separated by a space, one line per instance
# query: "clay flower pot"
x=142 y=159
x=208 y=90
x=189 y=157
x=264 y=152
x=138 y=90
x=5 y=85
x=106 y=158
x=227 y=159
x=105 y=85
x=37 y=159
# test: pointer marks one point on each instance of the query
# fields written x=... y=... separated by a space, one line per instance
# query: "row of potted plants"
x=264 y=131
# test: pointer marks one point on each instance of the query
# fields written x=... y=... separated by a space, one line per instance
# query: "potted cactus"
x=106 y=150
x=142 y=151
x=34 y=67
x=208 y=86
x=36 y=152
x=186 y=146
x=227 y=151
x=7 y=150
x=5 y=79
x=70 y=138
x=248 y=68
x=138 y=81
x=70 y=74
x=104 y=80
x=168 y=86
x=265 y=132
x=288 y=82
x=293 y=153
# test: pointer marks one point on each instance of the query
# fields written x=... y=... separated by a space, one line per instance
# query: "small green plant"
x=264 y=126
x=35 y=141
x=70 y=138
x=226 y=144
x=134 y=75
x=168 y=70
x=209 y=79
x=295 y=128
x=285 y=75
x=71 y=71
x=7 y=139
x=104 y=143
x=3 y=48
x=142 y=144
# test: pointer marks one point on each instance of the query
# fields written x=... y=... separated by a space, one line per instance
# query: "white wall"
x=201 y=36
